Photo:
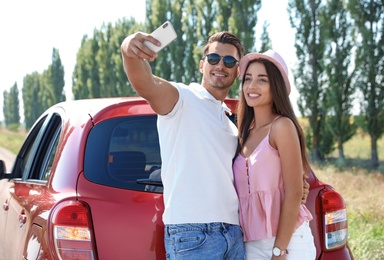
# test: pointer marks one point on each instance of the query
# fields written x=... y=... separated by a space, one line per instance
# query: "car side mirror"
x=3 y=171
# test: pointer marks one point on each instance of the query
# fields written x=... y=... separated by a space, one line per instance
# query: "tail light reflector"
x=72 y=231
x=335 y=219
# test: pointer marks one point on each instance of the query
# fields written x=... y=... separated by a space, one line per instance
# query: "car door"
x=26 y=188
x=4 y=204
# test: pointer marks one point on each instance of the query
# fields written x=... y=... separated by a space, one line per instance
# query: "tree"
x=305 y=17
x=56 y=77
x=11 y=108
x=266 y=42
x=368 y=16
x=106 y=86
x=192 y=43
x=30 y=93
x=338 y=31
x=81 y=72
x=242 y=22
x=45 y=94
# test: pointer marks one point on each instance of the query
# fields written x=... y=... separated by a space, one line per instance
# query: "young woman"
x=270 y=163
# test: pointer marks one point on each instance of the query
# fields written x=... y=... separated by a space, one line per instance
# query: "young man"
x=198 y=143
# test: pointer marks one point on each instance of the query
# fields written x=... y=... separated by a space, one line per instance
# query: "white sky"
x=31 y=29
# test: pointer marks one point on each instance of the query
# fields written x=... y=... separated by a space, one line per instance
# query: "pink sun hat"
x=271 y=56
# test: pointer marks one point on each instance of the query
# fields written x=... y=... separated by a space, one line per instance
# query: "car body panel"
x=141 y=240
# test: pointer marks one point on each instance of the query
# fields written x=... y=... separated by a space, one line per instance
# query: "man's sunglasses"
x=214 y=58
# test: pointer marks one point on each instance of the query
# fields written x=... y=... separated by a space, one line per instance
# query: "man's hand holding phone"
x=136 y=45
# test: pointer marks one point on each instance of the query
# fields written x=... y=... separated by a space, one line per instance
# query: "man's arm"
x=160 y=94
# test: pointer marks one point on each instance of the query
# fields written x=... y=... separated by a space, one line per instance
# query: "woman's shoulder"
x=282 y=127
x=281 y=122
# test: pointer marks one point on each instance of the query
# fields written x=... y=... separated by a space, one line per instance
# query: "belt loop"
x=223 y=226
x=208 y=227
x=167 y=228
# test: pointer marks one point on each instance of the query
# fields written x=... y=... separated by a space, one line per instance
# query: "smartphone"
x=165 y=34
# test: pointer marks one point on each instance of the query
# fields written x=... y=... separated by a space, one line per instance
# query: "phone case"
x=165 y=34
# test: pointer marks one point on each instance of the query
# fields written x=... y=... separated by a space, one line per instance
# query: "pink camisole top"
x=260 y=188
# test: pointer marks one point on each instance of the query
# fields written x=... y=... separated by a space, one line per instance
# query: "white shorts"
x=300 y=247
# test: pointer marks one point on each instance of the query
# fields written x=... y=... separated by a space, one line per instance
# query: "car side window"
x=44 y=158
x=36 y=156
x=26 y=153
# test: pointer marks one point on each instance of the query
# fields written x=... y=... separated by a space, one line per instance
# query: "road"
x=8 y=157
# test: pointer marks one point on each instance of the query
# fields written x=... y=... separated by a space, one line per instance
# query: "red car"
x=85 y=185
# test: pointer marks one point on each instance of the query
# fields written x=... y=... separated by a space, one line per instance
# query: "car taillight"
x=335 y=219
x=72 y=231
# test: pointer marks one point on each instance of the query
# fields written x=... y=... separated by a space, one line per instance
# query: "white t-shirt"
x=197 y=144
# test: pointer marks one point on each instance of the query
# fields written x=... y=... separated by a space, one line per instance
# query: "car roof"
x=100 y=108
x=97 y=109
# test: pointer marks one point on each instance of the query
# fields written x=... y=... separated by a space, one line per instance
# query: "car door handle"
x=6 y=206
x=22 y=219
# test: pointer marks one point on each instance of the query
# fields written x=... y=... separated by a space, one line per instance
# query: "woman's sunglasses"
x=214 y=58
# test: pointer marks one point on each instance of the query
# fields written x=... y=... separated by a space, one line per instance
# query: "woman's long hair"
x=281 y=105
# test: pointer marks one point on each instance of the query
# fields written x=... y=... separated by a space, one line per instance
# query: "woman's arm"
x=285 y=138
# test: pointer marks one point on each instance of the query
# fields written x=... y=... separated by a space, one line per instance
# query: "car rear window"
x=122 y=151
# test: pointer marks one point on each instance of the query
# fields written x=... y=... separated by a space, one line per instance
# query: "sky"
x=31 y=29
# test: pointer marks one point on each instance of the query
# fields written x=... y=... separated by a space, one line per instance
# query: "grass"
x=12 y=140
x=360 y=187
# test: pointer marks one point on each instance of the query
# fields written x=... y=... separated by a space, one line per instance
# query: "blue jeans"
x=214 y=241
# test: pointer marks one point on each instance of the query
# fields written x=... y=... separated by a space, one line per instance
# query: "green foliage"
x=266 y=42
x=56 y=77
x=32 y=86
x=327 y=139
x=360 y=122
x=11 y=108
x=243 y=21
x=99 y=70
